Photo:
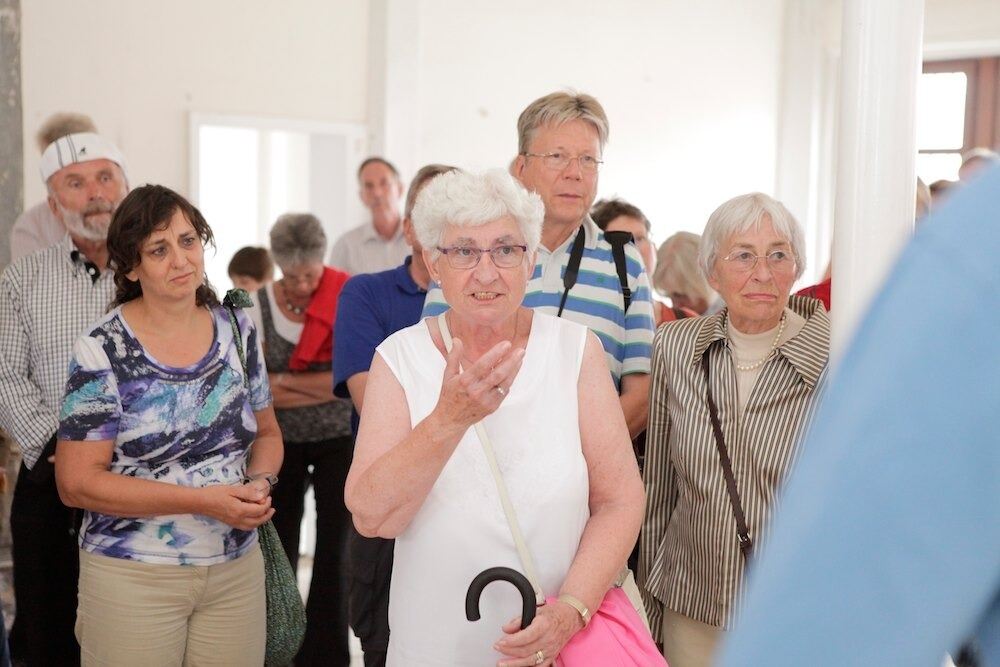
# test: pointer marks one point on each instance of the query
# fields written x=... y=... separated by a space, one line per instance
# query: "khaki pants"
x=167 y=615
x=687 y=642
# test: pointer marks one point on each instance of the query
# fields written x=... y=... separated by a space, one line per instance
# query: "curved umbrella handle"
x=501 y=574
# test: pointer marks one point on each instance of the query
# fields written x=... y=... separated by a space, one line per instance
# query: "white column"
x=393 y=52
x=876 y=171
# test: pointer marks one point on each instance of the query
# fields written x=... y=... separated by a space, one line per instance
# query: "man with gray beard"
x=46 y=300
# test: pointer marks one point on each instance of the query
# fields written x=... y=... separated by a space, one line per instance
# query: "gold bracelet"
x=579 y=606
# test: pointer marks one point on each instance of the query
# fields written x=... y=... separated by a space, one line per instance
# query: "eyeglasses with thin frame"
x=558 y=161
x=780 y=261
x=467 y=257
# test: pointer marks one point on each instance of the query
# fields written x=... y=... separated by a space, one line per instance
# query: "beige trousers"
x=687 y=642
x=149 y=615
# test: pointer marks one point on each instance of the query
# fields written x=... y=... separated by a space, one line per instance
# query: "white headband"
x=79 y=147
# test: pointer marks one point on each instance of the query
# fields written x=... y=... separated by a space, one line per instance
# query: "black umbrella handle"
x=501 y=574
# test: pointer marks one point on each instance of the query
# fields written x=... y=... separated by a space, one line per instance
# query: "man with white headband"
x=46 y=300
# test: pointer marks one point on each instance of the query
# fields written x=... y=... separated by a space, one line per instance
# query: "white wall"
x=138 y=67
x=961 y=28
x=691 y=90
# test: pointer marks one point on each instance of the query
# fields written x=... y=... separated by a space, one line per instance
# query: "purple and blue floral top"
x=189 y=426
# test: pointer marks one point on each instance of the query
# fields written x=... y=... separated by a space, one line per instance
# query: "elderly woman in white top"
x=756 y=364
x=541 y=387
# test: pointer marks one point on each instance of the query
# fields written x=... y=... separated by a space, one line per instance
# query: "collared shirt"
x=362 y=250
x=35 y=229
x=595 y=301
x=689 y=558
x=47 y=300
x=371 y=308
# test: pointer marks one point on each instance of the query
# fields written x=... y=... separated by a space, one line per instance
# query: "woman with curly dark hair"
x=168 y=440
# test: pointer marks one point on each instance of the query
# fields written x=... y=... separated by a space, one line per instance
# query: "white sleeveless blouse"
x=461 y=530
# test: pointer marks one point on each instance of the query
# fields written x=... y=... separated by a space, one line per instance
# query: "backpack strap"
x=618 y=241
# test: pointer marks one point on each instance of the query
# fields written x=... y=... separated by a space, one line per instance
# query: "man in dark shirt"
x=372 y=307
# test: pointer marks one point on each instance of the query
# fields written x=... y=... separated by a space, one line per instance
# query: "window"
x=957 y=109
x=245 y=172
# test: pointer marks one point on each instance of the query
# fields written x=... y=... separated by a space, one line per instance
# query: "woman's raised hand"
x=466 y=397
x=242 y=506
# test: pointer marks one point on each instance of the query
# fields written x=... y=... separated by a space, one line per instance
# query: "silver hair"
x=297 y=239
x=677 y=270
x=464 y=199
x=556 y=109
x=741 y=213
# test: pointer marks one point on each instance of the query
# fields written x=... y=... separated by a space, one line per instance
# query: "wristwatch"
x=272 y=479
x=578 y=605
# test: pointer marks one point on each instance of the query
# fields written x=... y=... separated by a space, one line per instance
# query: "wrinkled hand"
x=466 y=397
x=554 y=625
x=242 y=506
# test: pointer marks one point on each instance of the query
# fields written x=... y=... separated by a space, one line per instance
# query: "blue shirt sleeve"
x=260 y=388
x=91 y=407
x=358 y=329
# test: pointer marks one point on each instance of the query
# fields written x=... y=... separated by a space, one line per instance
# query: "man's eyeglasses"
x=467 y=257
x=777 y=260
x=559 y=161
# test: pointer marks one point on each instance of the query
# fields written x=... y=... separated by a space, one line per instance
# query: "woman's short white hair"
x=741 y=213
x=467 y=199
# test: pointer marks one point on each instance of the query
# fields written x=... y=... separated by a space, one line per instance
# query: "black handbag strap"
x=746 y=544
x=572 y=268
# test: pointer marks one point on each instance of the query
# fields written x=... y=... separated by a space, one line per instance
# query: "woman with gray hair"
x=730 y=395
x=678 y=276
x=295 y=316
x=489 y=378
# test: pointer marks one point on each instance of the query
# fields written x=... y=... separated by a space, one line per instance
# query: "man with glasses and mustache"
x=561 y=139
x=46 y=300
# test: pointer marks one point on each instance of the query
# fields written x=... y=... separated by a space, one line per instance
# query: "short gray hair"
x=463 y=199
x=297 y=239
x=556 y=109
x=741 y=213
x=677 y=270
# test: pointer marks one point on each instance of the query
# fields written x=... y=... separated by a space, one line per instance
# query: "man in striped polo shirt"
x=561 y=139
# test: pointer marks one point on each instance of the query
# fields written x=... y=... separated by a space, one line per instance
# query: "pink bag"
x=615 y=637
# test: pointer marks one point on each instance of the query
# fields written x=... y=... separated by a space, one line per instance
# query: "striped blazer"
x=689 y=558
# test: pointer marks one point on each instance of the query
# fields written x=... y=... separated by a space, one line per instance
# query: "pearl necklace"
x=295 y=310
x=774 y=346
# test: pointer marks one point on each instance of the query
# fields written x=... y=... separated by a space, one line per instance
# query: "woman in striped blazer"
x=759 y=362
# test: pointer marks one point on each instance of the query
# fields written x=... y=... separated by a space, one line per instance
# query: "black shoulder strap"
x=618 y=241
x=746 y=545
x=572 y=268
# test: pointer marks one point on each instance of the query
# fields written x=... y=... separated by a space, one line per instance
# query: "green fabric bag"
x=286 y=615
